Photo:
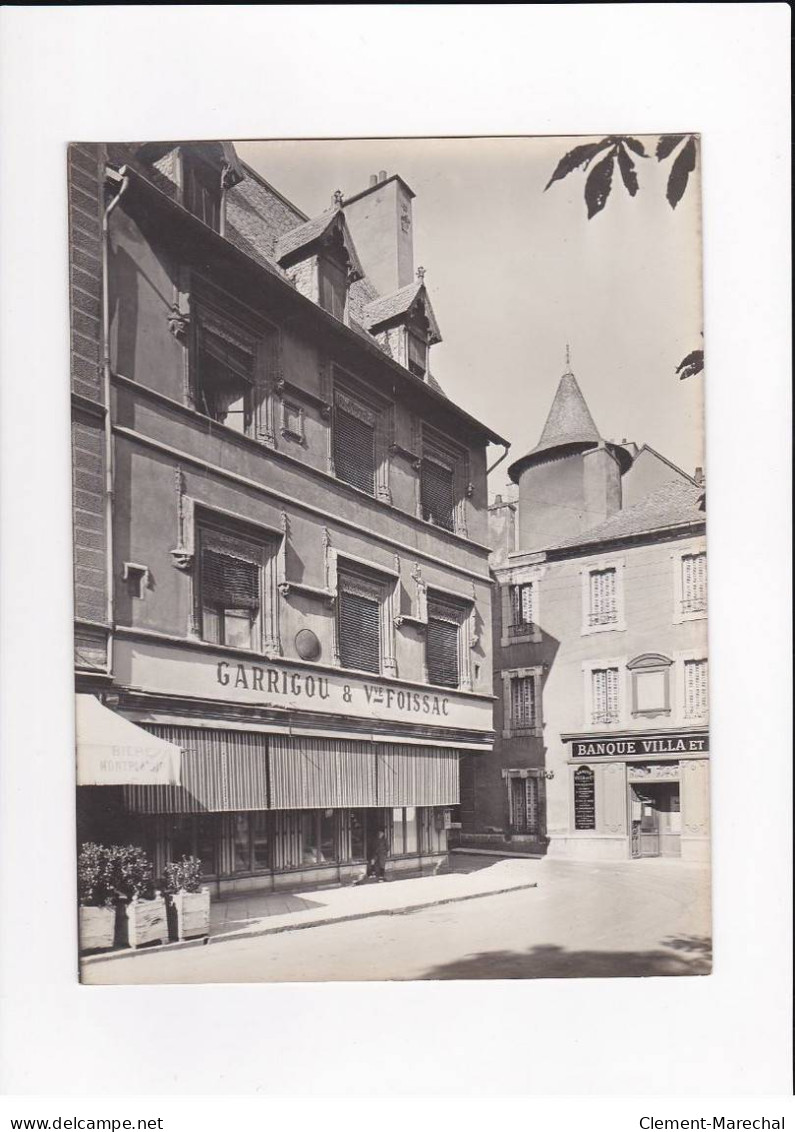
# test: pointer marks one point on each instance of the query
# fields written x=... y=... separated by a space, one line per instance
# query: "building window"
x=604 y=695
x=523 y=702
x=651 y=692
x=224 y=373
x=405 y=832
x=332 y=287
x=318 y=837
x=417 y=354
x=694 y=583
x=603 y=604
x=354 y=442
x=359 y=622
x=201 y=192
x=443 y=642
x=696 y=689
x=437 y=495
x=524 y=804
x=521 y=609
x=230 y=588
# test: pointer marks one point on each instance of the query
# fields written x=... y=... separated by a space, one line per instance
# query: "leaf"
x=598 y=185
x=580 y=155
x=683 y=166
x=635 y=146
x=628 y=174
x=667 y=144
x=691 y=365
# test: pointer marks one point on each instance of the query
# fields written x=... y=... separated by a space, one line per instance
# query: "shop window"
x=194 y=835
x=318 y=837
x=260 y=840
x=201 y=193
x=604 y=695
x=241 y=843
x=332 y=287
x=694 y=583
x=696 y=689
x=651 y=693
x=224 y=364
x=358 y=828
x=354 y=443
x=443 y=642
x=230 y=588
x=523 y=804
x=405 y=831
x=359 y=620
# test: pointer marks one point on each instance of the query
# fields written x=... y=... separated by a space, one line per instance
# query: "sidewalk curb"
x=249 y=933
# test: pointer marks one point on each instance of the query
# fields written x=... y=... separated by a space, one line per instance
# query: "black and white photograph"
x=390 y=559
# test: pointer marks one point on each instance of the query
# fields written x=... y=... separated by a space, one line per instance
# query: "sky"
x=515 y=273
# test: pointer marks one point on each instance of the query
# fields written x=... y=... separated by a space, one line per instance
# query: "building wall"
x=648 y=473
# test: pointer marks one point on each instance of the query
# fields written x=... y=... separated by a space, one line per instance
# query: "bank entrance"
x=655 y=819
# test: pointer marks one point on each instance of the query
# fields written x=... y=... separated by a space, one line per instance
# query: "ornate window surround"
x=650 y=662
x=193 y=514
x=464 y=606
x=197 y=302
x=385 y=582
x=437 y=446
x=346 y=387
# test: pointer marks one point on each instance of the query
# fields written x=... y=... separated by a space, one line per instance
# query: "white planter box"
x=146 y=922
x=190 y=914
x=96 y=927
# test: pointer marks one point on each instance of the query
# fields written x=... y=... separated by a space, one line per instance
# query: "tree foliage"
x=620 y=150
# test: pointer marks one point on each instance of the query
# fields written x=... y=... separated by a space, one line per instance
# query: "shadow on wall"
x=690 y=955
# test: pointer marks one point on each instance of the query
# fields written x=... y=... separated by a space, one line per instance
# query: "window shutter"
x=228 y=581
x=603 y=596
x=436 y=491
x=694 y=581
x=522 y=604
x=695 y=687
x=442 y=654
x=604 y=695
x=359 y=631
x=531 y=800
x=354 y=450
x=523 y=701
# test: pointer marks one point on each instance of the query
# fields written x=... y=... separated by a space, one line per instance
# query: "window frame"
x=437 y=448
x=599 y=664
x=682 y=659
x=680 y=616
x=510 y=728
x=508 y=582
x=526 y=776
x=650 y=663
x=191 y=164
x=346 y=389
x=382 y=581
x=595 y=567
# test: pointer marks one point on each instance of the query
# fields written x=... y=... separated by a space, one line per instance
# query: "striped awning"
x=112 y=751
x=229 y=770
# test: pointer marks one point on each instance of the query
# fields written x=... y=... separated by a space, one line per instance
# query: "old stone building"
x=600 y=652
x=281 y=545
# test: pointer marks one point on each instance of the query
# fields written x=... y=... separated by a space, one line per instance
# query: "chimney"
x=380 y=222
x=699 y=476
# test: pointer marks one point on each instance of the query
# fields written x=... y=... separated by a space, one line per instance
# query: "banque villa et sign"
x=271 y=684
x=678 y=743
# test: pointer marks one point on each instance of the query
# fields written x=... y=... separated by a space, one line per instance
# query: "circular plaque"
x=307 y=644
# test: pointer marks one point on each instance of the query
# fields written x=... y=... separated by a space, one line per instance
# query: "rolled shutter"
x=359 y=631
x=436 y=489
x=229 y=581
x=354 y=450
x=442 y=654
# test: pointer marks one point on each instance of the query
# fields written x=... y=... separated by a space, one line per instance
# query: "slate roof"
x=569 y=419
x=675 y=504
x=387 y=307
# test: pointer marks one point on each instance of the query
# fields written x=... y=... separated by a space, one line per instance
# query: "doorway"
x=655 y=819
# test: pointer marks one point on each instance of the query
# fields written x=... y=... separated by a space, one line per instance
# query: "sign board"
x=168 y=669
x=584 y=799
x=626 y=746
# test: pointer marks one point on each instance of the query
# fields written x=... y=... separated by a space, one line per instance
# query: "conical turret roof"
x=569 y=424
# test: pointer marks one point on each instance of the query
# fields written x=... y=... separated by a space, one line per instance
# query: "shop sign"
x=626 y=746
x=168 y=669
x=584 y=799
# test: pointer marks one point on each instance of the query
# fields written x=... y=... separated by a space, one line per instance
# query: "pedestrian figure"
x=378 y=862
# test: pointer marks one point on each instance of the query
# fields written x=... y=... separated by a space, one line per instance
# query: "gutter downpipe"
x=106 y=390
x=499 y=460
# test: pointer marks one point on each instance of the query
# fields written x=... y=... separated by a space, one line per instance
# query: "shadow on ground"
x=686 y=955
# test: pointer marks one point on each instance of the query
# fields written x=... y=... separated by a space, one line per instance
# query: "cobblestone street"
x=582 y=920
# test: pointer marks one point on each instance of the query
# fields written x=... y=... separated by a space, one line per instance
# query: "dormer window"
x=201 y=191
x=417 y=354
x=332 y=286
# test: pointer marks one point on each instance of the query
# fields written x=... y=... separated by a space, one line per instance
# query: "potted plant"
x=188 y=901
x=145 y=909
x=96 y=898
